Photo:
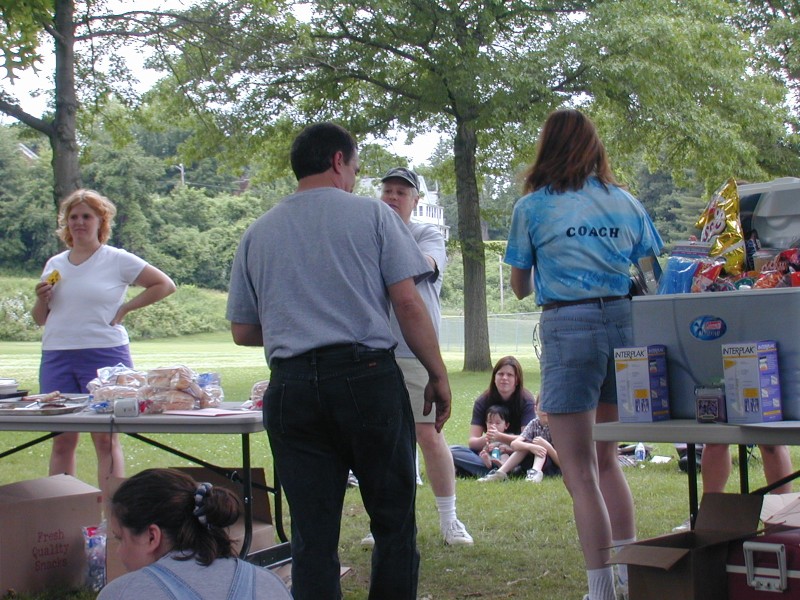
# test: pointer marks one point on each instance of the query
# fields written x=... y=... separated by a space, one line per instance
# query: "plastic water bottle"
x=496 y=453
x=640 y=453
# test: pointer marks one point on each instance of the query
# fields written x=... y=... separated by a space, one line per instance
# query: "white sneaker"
x=534 y=476
x=494 y=476
x=685 y=526
x=456 y=534
x=368 y=541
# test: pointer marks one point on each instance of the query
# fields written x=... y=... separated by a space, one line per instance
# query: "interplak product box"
x=41 y=533
x=691 y=565
x=752 y=382
x=642 y=389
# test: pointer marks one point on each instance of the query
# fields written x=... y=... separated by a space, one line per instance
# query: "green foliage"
x=190 y=310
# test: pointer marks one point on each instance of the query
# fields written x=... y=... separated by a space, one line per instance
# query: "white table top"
x=690 y=431
x=86 y=421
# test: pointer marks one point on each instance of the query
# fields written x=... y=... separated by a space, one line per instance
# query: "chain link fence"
x=508 y=333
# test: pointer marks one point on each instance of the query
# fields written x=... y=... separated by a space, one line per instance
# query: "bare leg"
x=62 y=455
x=438 y=460
x=110 y=460
x=777 y=464
x=613 y=485
x=572 y=439
x=715 y=467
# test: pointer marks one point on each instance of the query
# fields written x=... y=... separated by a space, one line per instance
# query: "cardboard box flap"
x=659 y=557
x=55 y=486
x=733 y=514
x=781 y=509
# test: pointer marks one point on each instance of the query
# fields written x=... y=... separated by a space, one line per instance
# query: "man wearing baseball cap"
x=400 y=190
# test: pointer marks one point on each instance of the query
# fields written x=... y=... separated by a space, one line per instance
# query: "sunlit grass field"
x=525 y=547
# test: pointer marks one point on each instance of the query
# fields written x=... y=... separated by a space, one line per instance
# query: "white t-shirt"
x=87 y=297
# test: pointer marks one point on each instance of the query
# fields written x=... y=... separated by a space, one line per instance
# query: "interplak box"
x=642 y=389
x=752 y=382
x=41 y=533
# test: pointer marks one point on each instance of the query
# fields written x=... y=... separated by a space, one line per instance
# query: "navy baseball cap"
x=402 y=173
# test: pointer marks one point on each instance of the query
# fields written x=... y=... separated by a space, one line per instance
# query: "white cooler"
x=693 y=327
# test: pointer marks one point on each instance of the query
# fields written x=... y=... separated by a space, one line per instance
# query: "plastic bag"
x=94 y=544
x=721 y=226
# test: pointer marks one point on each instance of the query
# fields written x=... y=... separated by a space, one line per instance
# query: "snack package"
x=678 y=275
x=720 y=225
x=705 y=276
x=53 y=277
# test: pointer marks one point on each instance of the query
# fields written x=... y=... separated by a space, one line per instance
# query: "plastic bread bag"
x=211 y=387
x=157 y=400
x=720 y=225
x=256 y=401
x=120 y=374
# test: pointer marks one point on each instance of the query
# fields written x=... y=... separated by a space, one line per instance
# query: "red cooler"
x=765 y=567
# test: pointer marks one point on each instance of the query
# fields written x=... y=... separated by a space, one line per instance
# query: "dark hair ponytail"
x=192 y=516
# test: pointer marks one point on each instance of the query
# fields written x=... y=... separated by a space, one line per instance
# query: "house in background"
x=428 y=209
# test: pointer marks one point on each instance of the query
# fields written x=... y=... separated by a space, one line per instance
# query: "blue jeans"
x=328 y=411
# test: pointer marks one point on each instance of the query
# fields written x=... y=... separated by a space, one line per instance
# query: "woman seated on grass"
x=172 y=537
x=535 y=439
x=506 y=388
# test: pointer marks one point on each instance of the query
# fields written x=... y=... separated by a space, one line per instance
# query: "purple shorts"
x=69 y=371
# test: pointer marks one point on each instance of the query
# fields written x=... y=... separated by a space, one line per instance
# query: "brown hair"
x=569 y=152
x=102 y=206
x=516 y=402
x=192 y=519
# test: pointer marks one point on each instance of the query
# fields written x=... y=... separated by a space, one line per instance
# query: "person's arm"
x=247 y=334
x=521 y=282
x=419 y=334
x=41 y=307
x=477 y=439
x=551 y=451
x=157 y=286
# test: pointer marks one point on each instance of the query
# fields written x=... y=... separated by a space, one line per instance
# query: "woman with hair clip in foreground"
x=172 y=537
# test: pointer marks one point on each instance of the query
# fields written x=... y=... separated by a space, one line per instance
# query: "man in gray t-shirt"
x=312 y=281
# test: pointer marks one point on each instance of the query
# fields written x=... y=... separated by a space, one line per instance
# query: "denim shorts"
x=577 y=360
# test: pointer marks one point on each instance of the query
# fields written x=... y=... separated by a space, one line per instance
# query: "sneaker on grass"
x=534 y=476
x=455 y=534
x=368 y=541
x=494 y=476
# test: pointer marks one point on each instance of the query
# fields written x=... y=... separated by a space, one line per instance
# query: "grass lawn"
x=525 y=540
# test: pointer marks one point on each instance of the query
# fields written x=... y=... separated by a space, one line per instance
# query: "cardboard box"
x=41 y=535
x=642 y=392
x=263 y=530
x=752 y=382
x=691 y=565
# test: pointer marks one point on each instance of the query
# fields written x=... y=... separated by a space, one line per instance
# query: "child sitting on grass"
x=495 y=454
x=535 y=439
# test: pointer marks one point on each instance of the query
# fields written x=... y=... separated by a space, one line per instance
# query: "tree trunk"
x=476 y=328
x=63 y=140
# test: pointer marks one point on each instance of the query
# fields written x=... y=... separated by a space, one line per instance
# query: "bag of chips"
x=720 y=225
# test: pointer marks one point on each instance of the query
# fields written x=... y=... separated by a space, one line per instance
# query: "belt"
x=597 y=301
x=353 y=351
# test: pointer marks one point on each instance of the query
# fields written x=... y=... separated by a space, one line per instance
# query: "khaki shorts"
x=416 y=379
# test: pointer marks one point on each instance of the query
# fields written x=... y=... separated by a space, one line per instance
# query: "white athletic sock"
x=601 y=584
x=622 y=570
x=446 y=505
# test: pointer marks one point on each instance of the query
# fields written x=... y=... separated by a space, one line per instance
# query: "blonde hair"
x=102 y=207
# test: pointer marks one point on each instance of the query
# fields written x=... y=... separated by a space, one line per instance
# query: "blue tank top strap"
x=171 y=583
x=243 y=584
